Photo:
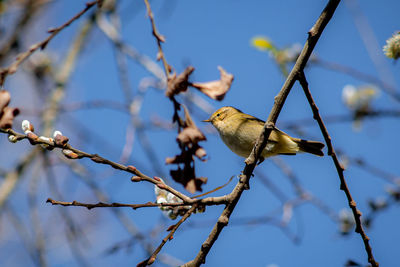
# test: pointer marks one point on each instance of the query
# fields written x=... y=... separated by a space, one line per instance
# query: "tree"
x=101 y=117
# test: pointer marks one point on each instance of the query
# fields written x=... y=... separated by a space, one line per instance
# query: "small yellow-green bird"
x=239 y=131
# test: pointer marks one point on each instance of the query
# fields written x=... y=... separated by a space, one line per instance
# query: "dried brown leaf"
x=216 y=89
x=195 y=184
x=191 y=134
x=186 y=156
x=4 y=99
x=191 y=186
x=187 y=179
x=7 y=117
x=188 y=119
x=7 y=114
x=188 y=139
x=200 y=153
x=177 y=84
x=175 y=160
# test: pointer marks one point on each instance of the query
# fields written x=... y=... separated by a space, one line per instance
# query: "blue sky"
x=208 y=34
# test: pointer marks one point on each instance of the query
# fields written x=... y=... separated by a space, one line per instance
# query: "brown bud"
x=32 y=137
x=170 y=227
x=70 y=154
x=132 y=168
x=136 y=179
x=162 y=186
x=97 y=159
x=61 y=140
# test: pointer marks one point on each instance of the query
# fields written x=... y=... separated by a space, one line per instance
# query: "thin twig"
x=341 y=118
x=301 y=192
x=22 y=231
x=368 y=167
x=353 y=72
x=152 y=258
x=371 y=43
x=73 y=230
x=29 y=11
x=160 y=39
x=90 y=206
x=42 y=45
x=98 y=159
x=13 y=177
x=113 y=34
x=139 y=176
x=340 y=170
x=38 y=232
x=122 y=217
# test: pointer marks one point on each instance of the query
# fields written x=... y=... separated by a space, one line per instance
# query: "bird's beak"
x=207 y=120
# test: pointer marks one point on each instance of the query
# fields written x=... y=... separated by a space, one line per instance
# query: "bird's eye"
x=218 y=114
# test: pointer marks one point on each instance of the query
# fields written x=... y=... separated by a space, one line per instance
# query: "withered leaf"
x=7 y=114
x=188 y=139
x=177 y=159
x=7 y=117
x=177 y=84
x=4 y=99
x=200 y=153
x=195 y=184
x=187 y=178
x=216 y=89
x=191 y=134
x=187 y=155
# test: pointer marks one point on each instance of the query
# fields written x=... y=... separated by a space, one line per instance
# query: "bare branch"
x=175 y=227
x=42 y=45
x=112 y=205
x=343 y=185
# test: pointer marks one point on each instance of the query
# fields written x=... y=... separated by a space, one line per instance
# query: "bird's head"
x=220 y=117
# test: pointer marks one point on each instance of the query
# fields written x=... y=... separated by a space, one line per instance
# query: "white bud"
x=158 y=191
x=70 y=154
x=171 y=198
x=56 y=133
x=348 y=95
x=26 y=126
x=161 y=200
x=12 y=138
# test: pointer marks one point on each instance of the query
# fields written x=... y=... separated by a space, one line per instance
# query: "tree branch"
x=343 y=185
x=175 y=227
x=42 y=45
x=251 y=161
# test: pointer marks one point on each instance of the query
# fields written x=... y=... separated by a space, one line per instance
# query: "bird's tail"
x=313 y=147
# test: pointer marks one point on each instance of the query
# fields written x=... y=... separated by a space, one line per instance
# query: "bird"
x=239 y=131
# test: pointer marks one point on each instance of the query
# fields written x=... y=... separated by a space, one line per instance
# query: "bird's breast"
x=240 y=139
